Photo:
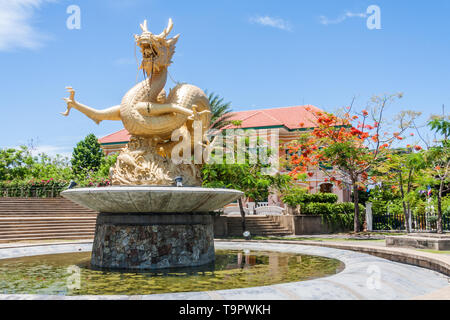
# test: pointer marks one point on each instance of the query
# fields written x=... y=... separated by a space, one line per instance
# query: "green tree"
x=438 y=159
x=401 y=169
x=15 y=164
x=45 y=167
x=220 y=111
x=87 y=156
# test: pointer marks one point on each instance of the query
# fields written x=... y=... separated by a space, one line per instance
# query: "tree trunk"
x=439 y=220
x=241 y=208
x=356 y=202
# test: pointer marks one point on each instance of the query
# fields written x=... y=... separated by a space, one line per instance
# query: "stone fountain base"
x=152 y=227
x=142 y=241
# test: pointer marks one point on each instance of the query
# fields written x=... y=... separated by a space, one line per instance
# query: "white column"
x=369 y=216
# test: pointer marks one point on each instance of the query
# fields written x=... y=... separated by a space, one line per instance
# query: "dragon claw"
x=72 y=92
x=69 y=100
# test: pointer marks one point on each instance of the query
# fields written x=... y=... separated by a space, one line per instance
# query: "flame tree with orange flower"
x=351 y=143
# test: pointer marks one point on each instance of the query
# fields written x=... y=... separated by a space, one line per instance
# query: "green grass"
x=310 y=239
x=384 y=233
x=435 y=251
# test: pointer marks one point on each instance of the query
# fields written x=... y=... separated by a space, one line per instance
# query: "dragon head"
x=157 y=51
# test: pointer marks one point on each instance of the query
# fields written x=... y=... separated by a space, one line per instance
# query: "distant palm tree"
x=220 y=111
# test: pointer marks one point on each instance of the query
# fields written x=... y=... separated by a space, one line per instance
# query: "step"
x=47 y=221
x=43 y=225
x=248 y=217
x=48 y=234
x=262 y=234
x=6 y=234
x=46 y=218
x=259 y=227
x=48 y=227
x=47 y=211
x=69 y=237
x=261 y=231
x=44 y=210
x=264 y=224
x=55 y=207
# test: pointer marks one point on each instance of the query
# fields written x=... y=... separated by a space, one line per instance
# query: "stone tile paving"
x=364 y=277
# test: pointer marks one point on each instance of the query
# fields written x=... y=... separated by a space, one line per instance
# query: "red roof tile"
x=290 y=117
x=116 y=137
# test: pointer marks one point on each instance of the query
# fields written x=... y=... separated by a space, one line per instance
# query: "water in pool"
x=71 y=274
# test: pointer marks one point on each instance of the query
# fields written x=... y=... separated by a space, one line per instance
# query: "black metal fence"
x=424 y=222
x=31 y=192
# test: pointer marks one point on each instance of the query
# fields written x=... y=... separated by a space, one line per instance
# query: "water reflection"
x=232 y=269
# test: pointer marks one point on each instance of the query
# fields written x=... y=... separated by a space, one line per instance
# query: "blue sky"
x=256 y=54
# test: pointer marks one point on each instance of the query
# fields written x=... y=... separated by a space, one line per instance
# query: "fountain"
x=156 y=214
x=154 y=221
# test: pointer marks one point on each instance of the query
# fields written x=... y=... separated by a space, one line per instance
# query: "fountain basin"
x=152 y=199
x=152 y=227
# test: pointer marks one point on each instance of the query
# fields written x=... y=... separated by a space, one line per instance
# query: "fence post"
x=410 y=221
x=369 y=216
x=251 y=207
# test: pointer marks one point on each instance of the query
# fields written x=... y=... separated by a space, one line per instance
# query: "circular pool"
x=72 y=274
x=364 y=276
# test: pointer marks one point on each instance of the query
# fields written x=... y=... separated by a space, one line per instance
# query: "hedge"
x=44 y=188
x=299 y=197
x=336 y=215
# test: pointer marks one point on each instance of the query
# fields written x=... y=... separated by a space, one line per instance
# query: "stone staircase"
x=44 y=219
x=257 y=225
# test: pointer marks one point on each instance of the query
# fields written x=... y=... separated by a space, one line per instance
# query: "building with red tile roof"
x=287 y=119
x=290 y=122
x=114 y=142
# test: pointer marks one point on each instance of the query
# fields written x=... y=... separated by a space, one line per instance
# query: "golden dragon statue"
x=151 y=117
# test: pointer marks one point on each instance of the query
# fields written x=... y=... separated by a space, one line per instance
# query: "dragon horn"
x=167 y=30
x=144 y=26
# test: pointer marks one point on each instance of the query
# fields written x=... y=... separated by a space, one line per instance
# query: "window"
x=326 y=188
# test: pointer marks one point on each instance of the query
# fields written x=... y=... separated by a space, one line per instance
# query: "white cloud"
x=16 y=29
x=326 y=21
x=52 y=151
x=272 y=22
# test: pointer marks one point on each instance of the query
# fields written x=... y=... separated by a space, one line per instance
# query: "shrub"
x=32 y=188
x=293 y=195
x=299 y=196
x=45 y=188
x=321 y=198
x=337 y=215
x=317 y=209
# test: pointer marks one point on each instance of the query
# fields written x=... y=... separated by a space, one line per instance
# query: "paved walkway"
x=364 y=277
